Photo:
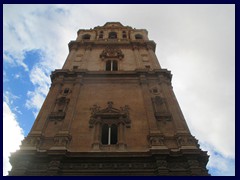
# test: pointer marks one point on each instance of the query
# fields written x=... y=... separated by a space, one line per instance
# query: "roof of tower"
x=110 y=24
x=113 y=25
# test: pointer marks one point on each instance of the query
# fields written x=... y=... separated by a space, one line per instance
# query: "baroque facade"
x=110 y=110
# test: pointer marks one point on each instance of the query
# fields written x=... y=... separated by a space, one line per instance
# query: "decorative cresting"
x=111 y=52
x=109 y=115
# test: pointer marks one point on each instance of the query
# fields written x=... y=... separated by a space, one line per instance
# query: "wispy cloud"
x=9 y=97
x=39 y=76
x=17 y=76
x=5 y=78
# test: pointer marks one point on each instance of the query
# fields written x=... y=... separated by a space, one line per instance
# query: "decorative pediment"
x=112 y=24
x=111 y=52
x=109 y=114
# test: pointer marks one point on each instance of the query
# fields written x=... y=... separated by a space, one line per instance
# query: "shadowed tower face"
x=110 y=110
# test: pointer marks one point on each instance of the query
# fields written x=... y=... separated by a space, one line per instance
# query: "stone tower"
x=110 y=110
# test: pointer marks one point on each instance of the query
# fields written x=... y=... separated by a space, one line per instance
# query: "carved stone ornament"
x=53 y=164
x=109 y=114
x=161 y=163
x=62 y=140
x=156 y=140
x=33 y=141
x=111 y=52
x=105 y=165
x=187 y=140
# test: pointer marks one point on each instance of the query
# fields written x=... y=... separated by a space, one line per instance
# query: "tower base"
x=190 y=162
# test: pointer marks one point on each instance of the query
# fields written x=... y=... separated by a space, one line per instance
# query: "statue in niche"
x=161 y=109
x=159 y=104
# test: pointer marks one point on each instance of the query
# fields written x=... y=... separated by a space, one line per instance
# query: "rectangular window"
x=75 y=67
x=111 y=65
x=109 y=134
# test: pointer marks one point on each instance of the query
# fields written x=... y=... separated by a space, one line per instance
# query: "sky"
x=195 y=42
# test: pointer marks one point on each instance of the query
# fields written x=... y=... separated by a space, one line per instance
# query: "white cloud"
x=35 y=100
x=208 y=105
x=218 y=163
x=12 y=136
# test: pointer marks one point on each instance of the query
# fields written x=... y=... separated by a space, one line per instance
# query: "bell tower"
x=110 y=110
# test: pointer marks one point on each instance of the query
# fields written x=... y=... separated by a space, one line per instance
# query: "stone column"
x=86 y=57
x=137 y=57
x=96 y=140
x=121 y=140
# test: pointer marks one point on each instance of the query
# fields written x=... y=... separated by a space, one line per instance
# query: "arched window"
x=86 y=36
x=101 y=35
x=124 y=35
x=138 y=36
x=109 y=134
x=111 y=65
x=112 y=35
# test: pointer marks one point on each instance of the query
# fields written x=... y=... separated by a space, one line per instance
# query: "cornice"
x=65 y=73
x=96 y=43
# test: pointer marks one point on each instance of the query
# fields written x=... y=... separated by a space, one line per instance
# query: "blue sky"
x=195 y=42
x=16 y=86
